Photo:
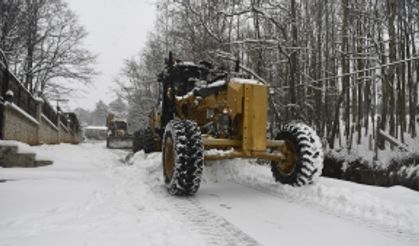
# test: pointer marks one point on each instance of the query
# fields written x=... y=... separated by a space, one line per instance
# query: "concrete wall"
x=20 y=126
x=48 y=132
x=65 y=134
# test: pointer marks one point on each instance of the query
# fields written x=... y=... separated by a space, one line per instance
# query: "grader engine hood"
x=249 y=101
x=246 y=103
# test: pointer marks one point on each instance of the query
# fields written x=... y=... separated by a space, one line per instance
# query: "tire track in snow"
x=216 y=229
x=213 y=228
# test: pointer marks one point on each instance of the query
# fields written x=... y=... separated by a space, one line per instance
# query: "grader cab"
x=203 y=108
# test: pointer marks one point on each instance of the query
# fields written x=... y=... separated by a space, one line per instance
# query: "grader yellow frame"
x=246 y=103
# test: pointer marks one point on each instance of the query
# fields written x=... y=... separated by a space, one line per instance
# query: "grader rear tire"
x=183 y=157
x=148 y=143
x=303 y=153
x=138 y=142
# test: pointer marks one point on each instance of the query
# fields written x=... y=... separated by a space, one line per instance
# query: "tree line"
x=98 y=115
x=346 y=67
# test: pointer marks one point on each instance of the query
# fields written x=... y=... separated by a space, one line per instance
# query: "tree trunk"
x=293 y=58
x=391 y=10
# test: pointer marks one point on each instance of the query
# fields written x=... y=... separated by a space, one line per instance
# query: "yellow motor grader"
x=117 y=137
x=202 y=108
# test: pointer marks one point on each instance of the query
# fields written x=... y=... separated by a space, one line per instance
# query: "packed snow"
x=88 y=197
x=96 y=196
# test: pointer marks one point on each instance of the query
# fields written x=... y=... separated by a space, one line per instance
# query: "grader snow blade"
x=124 y=142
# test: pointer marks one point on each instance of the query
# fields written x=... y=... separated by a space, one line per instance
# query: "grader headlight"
x=225 y=122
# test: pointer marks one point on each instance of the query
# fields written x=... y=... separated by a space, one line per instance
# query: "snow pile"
x=396 y=168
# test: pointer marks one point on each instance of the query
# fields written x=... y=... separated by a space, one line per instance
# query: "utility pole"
x=58 y=100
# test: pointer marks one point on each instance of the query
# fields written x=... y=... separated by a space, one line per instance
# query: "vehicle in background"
x=95 y=132
x=118 y=136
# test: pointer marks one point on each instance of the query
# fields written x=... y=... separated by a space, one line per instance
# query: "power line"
x=366 y=70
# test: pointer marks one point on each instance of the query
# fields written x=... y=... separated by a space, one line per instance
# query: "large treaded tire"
x=308 y=163
x=148 y=142
x=183 y=157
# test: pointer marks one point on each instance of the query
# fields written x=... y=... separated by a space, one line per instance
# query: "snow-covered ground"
x=95 y=196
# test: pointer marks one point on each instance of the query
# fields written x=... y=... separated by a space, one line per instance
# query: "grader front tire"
x=303 y=154
x=138 y=141
x=183 y=159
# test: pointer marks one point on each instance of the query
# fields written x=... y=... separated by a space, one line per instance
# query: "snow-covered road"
x=95 y=196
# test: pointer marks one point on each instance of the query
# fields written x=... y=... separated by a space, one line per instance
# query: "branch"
x=227 y=56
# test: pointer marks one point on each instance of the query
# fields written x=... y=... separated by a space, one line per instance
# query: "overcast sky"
x=117 y=30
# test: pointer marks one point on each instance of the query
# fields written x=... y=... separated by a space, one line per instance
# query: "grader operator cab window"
x=120 y=125
x=185 y=76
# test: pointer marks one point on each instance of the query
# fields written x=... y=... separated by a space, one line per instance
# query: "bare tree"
x=43 y=41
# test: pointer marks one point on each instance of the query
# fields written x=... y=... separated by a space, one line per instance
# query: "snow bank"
x=397 y=168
